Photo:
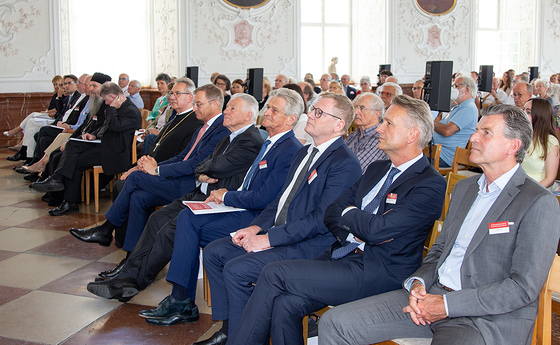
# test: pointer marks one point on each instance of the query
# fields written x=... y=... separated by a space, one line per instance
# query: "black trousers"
x=45 y=137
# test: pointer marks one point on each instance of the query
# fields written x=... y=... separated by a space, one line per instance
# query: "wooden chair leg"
x=96 y=190
x=206 y=285
x=83 y=184
x=305 y=329
x=88 y=187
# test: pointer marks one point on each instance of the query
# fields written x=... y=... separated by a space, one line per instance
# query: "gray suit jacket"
x=502 y=274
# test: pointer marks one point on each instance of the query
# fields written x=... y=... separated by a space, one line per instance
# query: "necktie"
x=283 y=215
x=350 y=246
x=200 y=134
x=255 y=166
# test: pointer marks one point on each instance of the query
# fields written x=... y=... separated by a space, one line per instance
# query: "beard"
x=95 y=102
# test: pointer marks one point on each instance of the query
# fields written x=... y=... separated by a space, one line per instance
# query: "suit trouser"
x=120 y=231
x=379 y=318
x=77 y=157
x=45 y=137
x=232 y=273
x=288 y=290
x=32 y=127
x=140 y=193
x=195 y=231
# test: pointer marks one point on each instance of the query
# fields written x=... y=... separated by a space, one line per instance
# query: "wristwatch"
x=157 y=171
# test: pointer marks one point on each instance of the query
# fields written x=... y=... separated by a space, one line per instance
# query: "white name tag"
x=262 y=165
x=391 y=198
x=498 y=228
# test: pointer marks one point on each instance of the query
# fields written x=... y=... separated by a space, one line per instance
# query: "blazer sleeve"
x=127 y=119
x=342 y=174
x=237 y=158
x=259 y=198
x=409 y=212
x=334 y=211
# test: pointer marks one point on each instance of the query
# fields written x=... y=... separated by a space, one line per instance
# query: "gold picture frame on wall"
x=436 y=7
x=246 y=3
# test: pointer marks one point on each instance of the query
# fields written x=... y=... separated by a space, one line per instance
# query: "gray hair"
x=528 y=86
x=342 y=107
x=294 y=102
x=419 y=117
x=249 y=104
x=110 y=88
x=136 y=83
x=524 y=77
x=365 y=79
x=165 y=77
x=398 y=88
x=188 y=82
x=212 y=93
x=543 y=81
x=517 y=126
x=470 y=83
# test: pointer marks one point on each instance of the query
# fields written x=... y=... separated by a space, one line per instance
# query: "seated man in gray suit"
x=480 y=282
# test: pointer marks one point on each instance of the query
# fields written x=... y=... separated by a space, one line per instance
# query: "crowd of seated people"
x=332 y=216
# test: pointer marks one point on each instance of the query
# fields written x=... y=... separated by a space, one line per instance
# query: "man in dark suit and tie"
x=151 y=184
x=349 y=91
x=480 y=281
x=111 y=148
x=292 y=226
x=260 y=187
x=380 y=224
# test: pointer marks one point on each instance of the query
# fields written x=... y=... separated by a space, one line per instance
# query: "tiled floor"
x=44 y=272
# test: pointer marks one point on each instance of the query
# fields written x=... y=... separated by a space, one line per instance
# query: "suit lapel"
x=372 y=180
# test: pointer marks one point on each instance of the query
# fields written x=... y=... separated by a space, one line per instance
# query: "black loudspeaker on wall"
x=485 y=76
x=255 y=82
x=533 y=73
x=382 y=67
x=192 y=74
x=437 y=85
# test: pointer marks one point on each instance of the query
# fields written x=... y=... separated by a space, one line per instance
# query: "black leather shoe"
x=21 y=170
x=217 y=338
x=17 y=157
x=170 y=312
x=113 y=272
x=31 y=177
x=120 y=289
x=48 y=185
x=93 y=235
x=64 y=209
x=46 y=197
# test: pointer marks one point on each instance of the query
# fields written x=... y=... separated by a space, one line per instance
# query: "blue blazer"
x=304 y=233
x=176 y=167
x=351 y=92
x=268 y=181
x=395 y=235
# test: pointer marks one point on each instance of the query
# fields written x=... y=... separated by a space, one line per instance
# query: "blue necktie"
x=254 y=166
x=350 y=246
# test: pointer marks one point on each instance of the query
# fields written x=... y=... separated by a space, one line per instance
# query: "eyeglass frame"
x=319 y=112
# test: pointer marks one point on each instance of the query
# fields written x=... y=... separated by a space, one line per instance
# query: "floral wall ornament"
x=243 y=33
x=10 y=26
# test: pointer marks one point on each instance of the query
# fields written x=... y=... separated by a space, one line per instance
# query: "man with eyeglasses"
x=522 y=92
x=363 y=142
x=123 y=83
x=348 y=89
x=280 y=81
x=380 y=225
x=389 y=90
x=291 y=227
x=456 y=129
x=152 y=184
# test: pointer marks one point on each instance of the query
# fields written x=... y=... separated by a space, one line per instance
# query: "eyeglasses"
x=362 y=108
x=176 y=94
x=517 y=95
x=199 y=104
x=416 y=88
x=385 y=93
x=220 y=84
x=123 y=78
x=69 y=83
x=456 y=85
x=319 y=112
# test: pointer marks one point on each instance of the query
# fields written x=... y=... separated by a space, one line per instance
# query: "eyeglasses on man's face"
x=319 y=112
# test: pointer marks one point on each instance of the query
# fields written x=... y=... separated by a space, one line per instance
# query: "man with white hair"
x=349 y=91
x=280 y=81
x=389 y=90
x=134 y=93
x=456 y=129
x=324 y=82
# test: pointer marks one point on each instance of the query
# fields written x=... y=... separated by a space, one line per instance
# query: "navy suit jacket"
x=395 y=235
x=304 y=233
x=177 y=167
x=268 y=181
x=351 y=92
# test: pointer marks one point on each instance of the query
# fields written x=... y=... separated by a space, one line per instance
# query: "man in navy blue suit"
x=380 y=224
x=292 y=226
x=349 y=91
x=158 y=184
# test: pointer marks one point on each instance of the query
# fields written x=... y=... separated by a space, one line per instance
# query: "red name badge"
x=391 y=198
x=498 y=228
x=312 y=176
x=262 y=165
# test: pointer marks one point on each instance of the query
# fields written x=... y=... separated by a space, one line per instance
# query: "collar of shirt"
x=239 y=131
x=275 y=138
x=186 y=111
x=211 y=121
x=498 y=184
x=321 y=147
x=402 y=168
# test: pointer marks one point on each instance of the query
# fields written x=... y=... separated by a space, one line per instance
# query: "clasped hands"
x=249 y=240
x=424 y=308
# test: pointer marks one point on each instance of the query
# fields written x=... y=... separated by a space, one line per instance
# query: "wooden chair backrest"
x=433 y=235
x=452 y=180
x=461 y=157
x=543 y=325
x=436 y=152
x=145 y=113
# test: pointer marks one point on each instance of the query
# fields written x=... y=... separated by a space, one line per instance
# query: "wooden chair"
x=543 y=325
x=433 y=235
x=96 y=171
x=436 y=152
x=306 y=321
x=461 y=158
x=145 y=113
x=452 y=180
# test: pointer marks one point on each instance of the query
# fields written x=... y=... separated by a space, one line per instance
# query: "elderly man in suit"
x=150 y=184
x=380 y=224
x=260 y=187
x=349 y=91
x=480 y=281
x=111 y=148
x=290 y=227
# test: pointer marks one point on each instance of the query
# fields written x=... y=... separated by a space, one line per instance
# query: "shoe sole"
x=44 y=189
x=103 y=291
x=165 y=317
x=161 y=322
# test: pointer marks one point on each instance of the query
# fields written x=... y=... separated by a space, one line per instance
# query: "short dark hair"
x=385 y=72
x=71 y=76
x=225 y=79
x=212 y=93
x=165 y=77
